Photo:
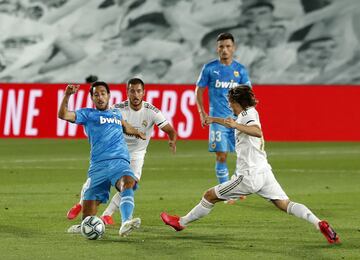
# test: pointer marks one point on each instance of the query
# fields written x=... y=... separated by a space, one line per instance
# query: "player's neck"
x=226 y=62
x=136 y=108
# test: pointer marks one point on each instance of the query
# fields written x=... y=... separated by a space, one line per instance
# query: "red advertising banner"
x=288 y=113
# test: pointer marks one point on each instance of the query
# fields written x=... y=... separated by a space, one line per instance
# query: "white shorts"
x=136 y=165
x=262 y=183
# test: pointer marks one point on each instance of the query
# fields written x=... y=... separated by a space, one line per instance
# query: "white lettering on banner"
x=1 y=95
x=168 y=107
x=62 y=124
x=14 y=112
x=32 y=112
x=185 y=129
x=150 y=96
x=116 y=97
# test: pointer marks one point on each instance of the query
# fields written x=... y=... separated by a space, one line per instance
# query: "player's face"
x=225 y=50
x=235 y=107
x=135 y=93
x=100 y=98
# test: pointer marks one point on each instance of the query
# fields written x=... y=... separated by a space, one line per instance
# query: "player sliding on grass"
x=142 y=116
x=253 y=173
x=109 y=155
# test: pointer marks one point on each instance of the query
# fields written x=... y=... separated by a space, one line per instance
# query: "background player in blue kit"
x=219 y=76
x=109 y=155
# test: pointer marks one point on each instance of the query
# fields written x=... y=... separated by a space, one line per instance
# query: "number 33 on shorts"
x=215 y=136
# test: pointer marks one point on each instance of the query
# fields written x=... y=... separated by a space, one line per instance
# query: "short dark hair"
x=135 y=81
x=98 y=83
x=243 y=95
x=225 y=36
x=307 y=44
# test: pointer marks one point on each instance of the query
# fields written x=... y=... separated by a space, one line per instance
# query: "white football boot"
x=128 y=226
x=74 y=229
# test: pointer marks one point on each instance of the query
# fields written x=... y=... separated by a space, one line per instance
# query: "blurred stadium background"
x=303 y=57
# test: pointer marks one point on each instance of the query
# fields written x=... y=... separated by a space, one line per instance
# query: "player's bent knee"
x=126 y=182
x=210 y=196
x=221 y=157
x=281 y=204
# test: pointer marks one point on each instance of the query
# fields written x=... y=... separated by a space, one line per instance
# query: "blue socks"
x=127 y=204
x=222 y=172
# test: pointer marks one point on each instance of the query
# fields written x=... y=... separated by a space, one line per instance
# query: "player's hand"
x=71 y=89
x=203 y=116
x=208 y=120
x=229 y=122
x=172 y=146
x=141 y=135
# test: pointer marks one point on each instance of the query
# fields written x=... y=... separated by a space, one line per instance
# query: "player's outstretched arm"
x=217 y=120
x=64 y=112
x=252 y=130
x=170 y=131
x=128 y=129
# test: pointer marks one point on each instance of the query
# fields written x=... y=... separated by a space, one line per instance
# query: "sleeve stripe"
x=249 y=121
x=161 y=122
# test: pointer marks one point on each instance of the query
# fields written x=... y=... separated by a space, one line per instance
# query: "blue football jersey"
x=219 y=78
x=105 y=133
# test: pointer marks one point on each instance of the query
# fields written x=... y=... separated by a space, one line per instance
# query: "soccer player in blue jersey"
x=219 y=76
x=109 y=155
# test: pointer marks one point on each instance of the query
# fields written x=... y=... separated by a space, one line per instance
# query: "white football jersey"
x=250 y=152
x=143 y=120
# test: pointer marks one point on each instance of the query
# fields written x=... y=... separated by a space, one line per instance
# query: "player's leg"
x=220 y=144
x=127 y=204
x=200 y=210
x=136 y=165
x=76 y=209
x=110 y=209
x=225 y=191
x=273 y=191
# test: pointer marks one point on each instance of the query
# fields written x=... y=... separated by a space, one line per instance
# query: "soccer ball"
x=92 y=227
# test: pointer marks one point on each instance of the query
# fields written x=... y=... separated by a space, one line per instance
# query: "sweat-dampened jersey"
x=249 y=149
x=105 y=133
x=143 y=120
x=219 y=78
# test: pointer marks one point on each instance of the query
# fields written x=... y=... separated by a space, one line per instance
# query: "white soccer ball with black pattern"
x=92 y=227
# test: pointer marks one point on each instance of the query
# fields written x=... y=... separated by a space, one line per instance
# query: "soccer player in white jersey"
x=219 y=76
x=142 y=116
x=253 y=173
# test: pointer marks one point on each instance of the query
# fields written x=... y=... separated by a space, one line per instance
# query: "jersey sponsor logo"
x=107 y=120
x=225 y=84
x=236 y=74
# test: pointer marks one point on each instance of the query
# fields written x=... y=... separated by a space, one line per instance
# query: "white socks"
x=301 y=211
x=200 y=210
x=113 y=205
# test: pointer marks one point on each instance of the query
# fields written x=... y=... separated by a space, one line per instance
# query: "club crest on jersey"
x=236 y=73
x=107 y=120
x=225 y=84
x=213 y=145
x=144 y=123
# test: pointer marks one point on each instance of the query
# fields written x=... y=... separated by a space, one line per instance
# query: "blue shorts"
x=221 y=138
x=103 y=175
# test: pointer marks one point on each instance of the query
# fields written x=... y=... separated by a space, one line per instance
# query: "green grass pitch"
x=41 y=180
